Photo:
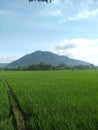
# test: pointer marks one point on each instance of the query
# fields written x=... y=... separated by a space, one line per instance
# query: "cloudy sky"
x=66 y=27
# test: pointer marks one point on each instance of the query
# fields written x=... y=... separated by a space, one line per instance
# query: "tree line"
x=44 y=66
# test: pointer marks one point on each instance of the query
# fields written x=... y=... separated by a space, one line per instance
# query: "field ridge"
x=19 y=122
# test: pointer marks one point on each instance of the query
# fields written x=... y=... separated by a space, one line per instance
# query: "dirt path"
x=17 y=115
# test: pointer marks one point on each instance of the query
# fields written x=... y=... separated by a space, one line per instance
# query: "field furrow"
x=5 y=115
x=17 y=115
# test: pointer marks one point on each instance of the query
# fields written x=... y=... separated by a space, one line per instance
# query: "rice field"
x=5 y=118
x=54 y=100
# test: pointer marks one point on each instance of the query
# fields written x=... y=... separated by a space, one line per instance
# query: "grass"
x=5 y=119
x=57 y=100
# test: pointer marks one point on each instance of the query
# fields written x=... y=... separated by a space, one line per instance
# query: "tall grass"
x=57 y=100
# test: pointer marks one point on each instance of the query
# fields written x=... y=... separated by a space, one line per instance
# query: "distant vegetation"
x=44 y=66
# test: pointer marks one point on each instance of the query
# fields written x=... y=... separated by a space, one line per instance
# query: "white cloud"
x=56 y=1
x=82 y=49
x=55 y=13
x=52 y=12
x=78 y=10
x=70 y=10
x=63 y=2
x=90 y=2
x=85 y=14
x=86 y=4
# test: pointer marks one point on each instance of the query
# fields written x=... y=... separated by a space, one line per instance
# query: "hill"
x=48 y=58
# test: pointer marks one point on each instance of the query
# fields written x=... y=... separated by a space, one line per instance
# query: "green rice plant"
x=57 y=100
x=5 y=119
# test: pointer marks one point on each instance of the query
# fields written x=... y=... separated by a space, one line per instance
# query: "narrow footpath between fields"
x=18 y=120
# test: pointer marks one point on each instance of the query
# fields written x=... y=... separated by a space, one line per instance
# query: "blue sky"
x=65 y=27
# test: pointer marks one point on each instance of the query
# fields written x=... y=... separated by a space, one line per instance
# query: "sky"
x=65 y=27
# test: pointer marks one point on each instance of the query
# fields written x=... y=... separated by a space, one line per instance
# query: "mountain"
x=48 y=58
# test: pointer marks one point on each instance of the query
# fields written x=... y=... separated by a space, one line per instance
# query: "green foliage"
x=44 y=66
x=57 y=100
